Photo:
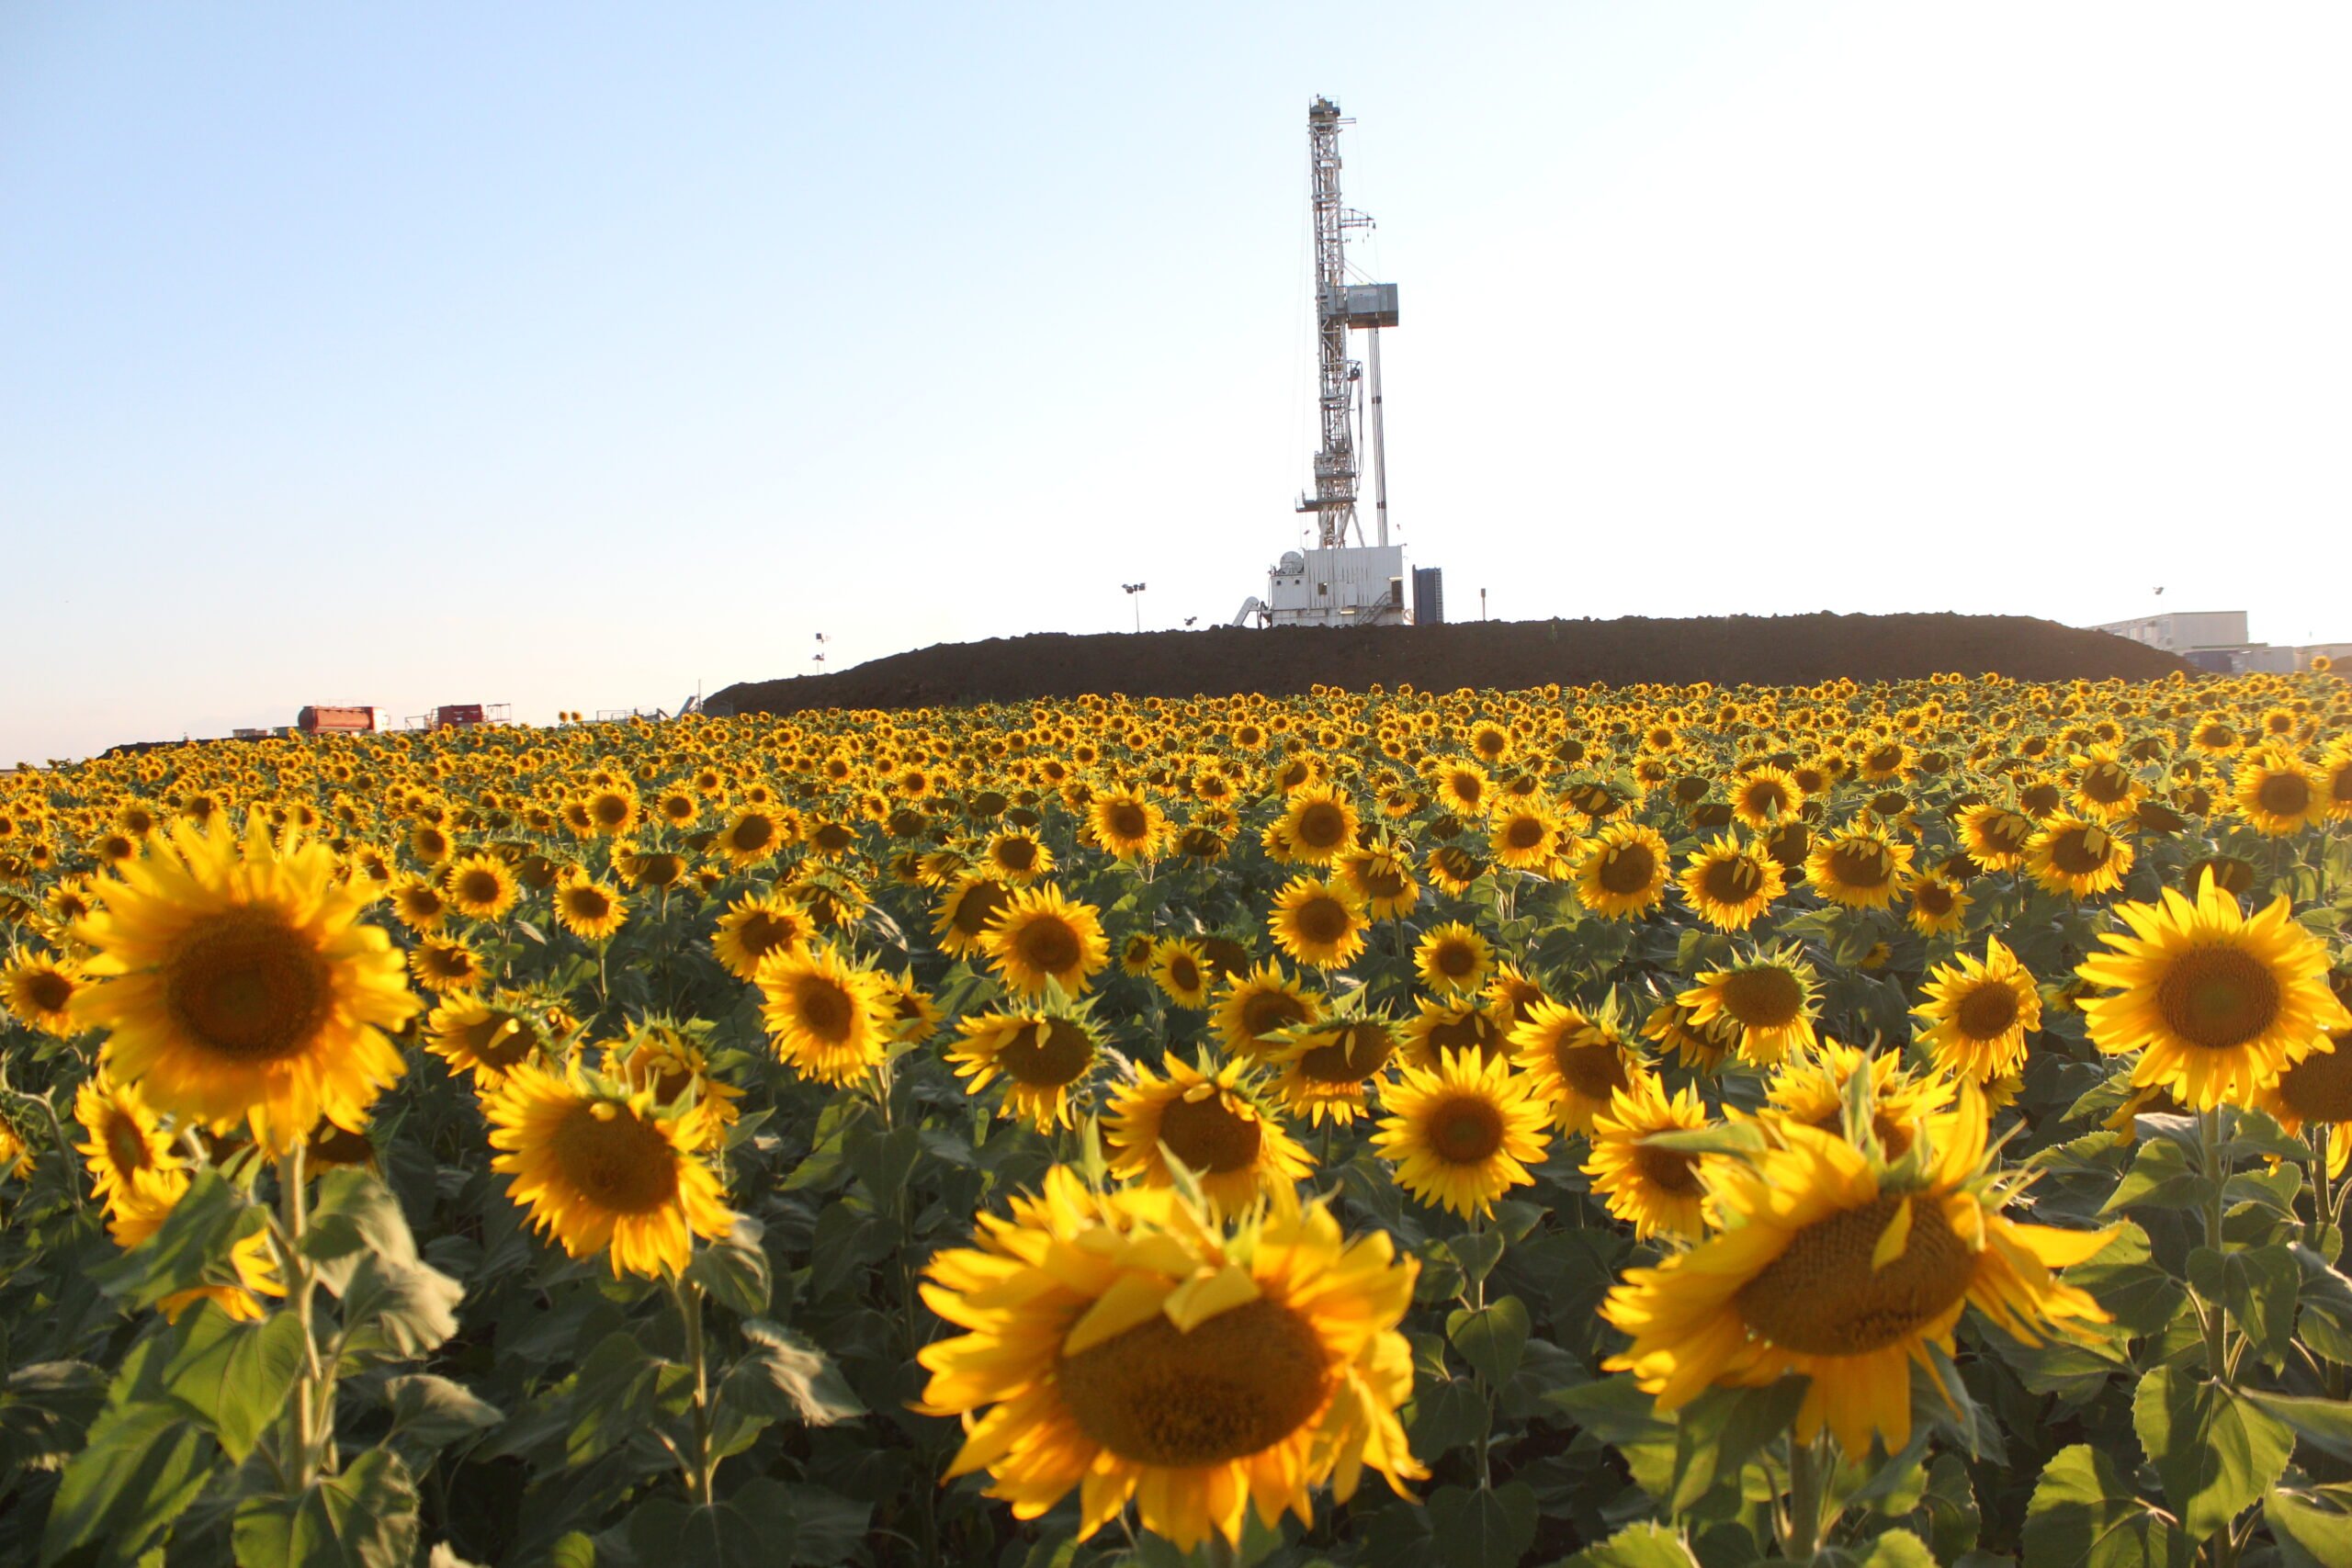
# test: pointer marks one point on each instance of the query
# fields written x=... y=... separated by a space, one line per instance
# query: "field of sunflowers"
x=1858 y=1124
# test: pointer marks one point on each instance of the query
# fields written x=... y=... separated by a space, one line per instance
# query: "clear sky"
x=569 y=356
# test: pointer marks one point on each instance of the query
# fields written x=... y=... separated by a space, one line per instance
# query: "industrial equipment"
x=345 y=718
x=1342 y=579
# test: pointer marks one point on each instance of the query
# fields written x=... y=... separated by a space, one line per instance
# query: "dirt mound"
x=1783 y=650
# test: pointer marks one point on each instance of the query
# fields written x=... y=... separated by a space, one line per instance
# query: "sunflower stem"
x=2209 y=1138
x=65 y=1149
x=1807 y=1474
x=2322 y=1198
x=688 y=1295
x=313 y=1389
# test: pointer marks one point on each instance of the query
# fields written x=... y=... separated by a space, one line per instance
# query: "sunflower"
x=2277 y=793
x=1319 y=824
x=481 y=888
x=1382 y=877
x=1253 y=1005
x=1453 y=1022
x=2218 y=1004
x=37 y=990
x=1524 y=836
x=1861 y=867
x=589 y=909
x=658 y=869
x=673 y=1067
x=1575 y=1062
x=1135 y=1349
x=429 y=845
x=417 y=902
x=1654 y=1189
x=1811 y=1088
x=2070 y=854
x=1980 y=1013
x=1730 y=883
x=960 y=919
x=611 y=812
x=1453 y=868
x=1018 y=856
x=1180 y=970
x=242 y=987
x=2336 y=780
x=828 y=1019
x=1328 y=1066
x=489 y=1036
x=1128 y=825
x=15 y=1146
x=1041 y=1056
x=1463 y=789
x=1212 y=1120
x=1039 y=935
x=1764 y=795
x=2317 y=1092
x=751 y=835
x=446 y=963
x=1772 y=999
x=1826 y=1269
x=1622 y=871
x=1453 y=958
x=133 y=1166
x=1463 y=1134
x=914 y=1013
x=1134 y=953
x=757 y=925
x=1316 y=923
x=1511 y=995
x=1995 y=836
x=1938 y=905
x=603 y=1171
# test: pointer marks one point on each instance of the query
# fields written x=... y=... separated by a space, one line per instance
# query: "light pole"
x=1133 y=588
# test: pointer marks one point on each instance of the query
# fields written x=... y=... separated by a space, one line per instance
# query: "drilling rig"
x=1343 y=579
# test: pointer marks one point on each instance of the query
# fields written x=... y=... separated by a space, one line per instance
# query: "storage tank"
x=343 y=719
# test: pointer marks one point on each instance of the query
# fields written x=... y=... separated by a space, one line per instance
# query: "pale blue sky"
x=567 y=354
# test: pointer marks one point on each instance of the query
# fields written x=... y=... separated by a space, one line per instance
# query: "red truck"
x=343 y=719
x=455 y=715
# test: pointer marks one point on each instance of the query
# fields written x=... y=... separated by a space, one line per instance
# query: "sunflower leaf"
x=1486 y=1528
x=734 y=1269
x=233 y=1376
x=2327 y=1299
x=1643 y=1545
x=2085 y=1514
x=1491 y=1338
x=2161 y=1178
x=2313 y=1528
x=784 y=1377
x=1738 y=1138
x=364 y=1518
x=190 y=1249
x=751 y=1527
x=355 y=1214
x=2258 y=1286
x=2324 y=1423
x=2125 y=1279
x=1717 y=1434
x=2215 y=1450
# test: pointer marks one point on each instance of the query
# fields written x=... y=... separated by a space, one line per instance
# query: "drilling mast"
x=1345 y=579
x=1334 y=501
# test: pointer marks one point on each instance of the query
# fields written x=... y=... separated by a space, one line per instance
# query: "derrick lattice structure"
x=1334 y=501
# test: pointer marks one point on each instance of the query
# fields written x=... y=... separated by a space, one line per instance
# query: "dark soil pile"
x=1785 y=650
